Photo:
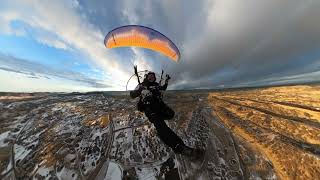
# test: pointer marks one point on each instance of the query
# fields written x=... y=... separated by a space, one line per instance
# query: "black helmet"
x=150 y=72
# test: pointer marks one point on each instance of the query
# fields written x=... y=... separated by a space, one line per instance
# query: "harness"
x=149 y=96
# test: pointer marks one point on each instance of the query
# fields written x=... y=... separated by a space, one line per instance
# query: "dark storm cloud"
x=224 y=42
x=268 y=41
x=35 y=70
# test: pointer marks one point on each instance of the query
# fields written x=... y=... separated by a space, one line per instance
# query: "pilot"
x=152 y=104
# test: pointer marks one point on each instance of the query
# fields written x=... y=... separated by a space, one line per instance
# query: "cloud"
x=60 y=24
x=248 y=39
x=36 y=70
x=251 y=36
x=222 y=42
x=16 y=82
x=53 y=42
x=12 y=70
x=307 y=77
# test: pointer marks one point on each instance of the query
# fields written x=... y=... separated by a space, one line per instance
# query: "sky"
x=57 y=46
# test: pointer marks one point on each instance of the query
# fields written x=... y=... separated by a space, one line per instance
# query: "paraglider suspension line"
x=132 y=77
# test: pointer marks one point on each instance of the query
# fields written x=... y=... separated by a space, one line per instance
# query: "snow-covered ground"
x=68 y=136
x=101 y=136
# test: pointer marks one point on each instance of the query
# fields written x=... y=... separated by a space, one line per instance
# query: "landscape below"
x=266 y=133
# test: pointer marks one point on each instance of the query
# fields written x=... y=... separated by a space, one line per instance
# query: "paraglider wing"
x=144 y=37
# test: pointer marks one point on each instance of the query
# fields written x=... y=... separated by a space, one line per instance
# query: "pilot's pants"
x=157 y=115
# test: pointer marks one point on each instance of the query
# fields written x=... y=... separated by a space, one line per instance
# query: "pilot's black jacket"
x=151 y=103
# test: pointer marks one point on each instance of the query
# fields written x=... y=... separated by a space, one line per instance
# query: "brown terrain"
x=263 y=133
x=282 y=123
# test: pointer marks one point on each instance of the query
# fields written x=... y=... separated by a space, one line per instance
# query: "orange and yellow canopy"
x=144 y=37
